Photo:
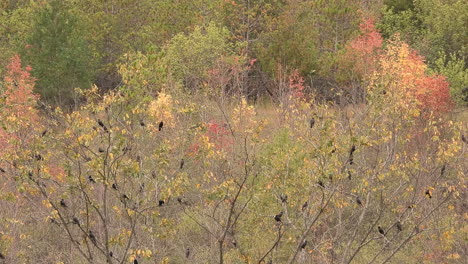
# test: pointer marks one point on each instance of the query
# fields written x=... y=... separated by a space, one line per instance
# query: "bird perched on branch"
x=90 y=178
x=101 y=124
x=351 y=157
x=284 y=198
x=303 y=244
x=428 y=194
x=320 y=183
x=63 y=204
x=182 y=162
x=399 y=226
x=312 y=122
x=381 y=231
x=442 y=170
x=76 y=221
x=161 y=202
x=92 y=237
x=160 y=127
x=358 y=201
x=304 y=206
x=278 y=217
x=187 y=253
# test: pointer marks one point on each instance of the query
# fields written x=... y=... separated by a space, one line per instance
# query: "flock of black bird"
x=277 y=217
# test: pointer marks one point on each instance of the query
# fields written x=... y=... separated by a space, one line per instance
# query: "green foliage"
x=308 y=36
x=59 y=54
x=457 y=74
x=126 y=26
x=189 y=57
x=406 y=22
x=446 y=27
x=16 y=21
x=399 y=5
x=432 y=26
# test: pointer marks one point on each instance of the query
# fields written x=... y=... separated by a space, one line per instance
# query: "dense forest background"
x=233 y=131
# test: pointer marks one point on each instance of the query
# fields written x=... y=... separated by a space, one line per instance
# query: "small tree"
x=59 y=54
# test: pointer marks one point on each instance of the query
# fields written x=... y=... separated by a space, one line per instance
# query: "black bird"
x=358 y=201
x=101 y=150
x=2 y=170
x=320 y=183
x=304 y=206
x=187 y=253
x=2 y=256
x=100 y=123
x=44 y=133
x=142 y=123
x=303 y=244
x=463 y=138
x=76 y=221
x=351 y=152
x=90 y=178
x=278 y=217
x=126 y=149
x=161 y=202
x=114 y=186
x=312 y=122
x=416 y=229
x=349 y=175
x=111 y=254
x=92 y=237
x=179 y=200
x=161 y=124
x=182 y=162
x=353 y=148
x=398 y=226
x=381 y=231
x=135 y=261
x=284 y=198
x=63 y=204
x=428 y=194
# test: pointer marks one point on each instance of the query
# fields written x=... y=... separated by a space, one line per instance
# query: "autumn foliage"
x=404 y=69
x=348 y=152
x=364 y=49
x=18 y=104
x=405 y=73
